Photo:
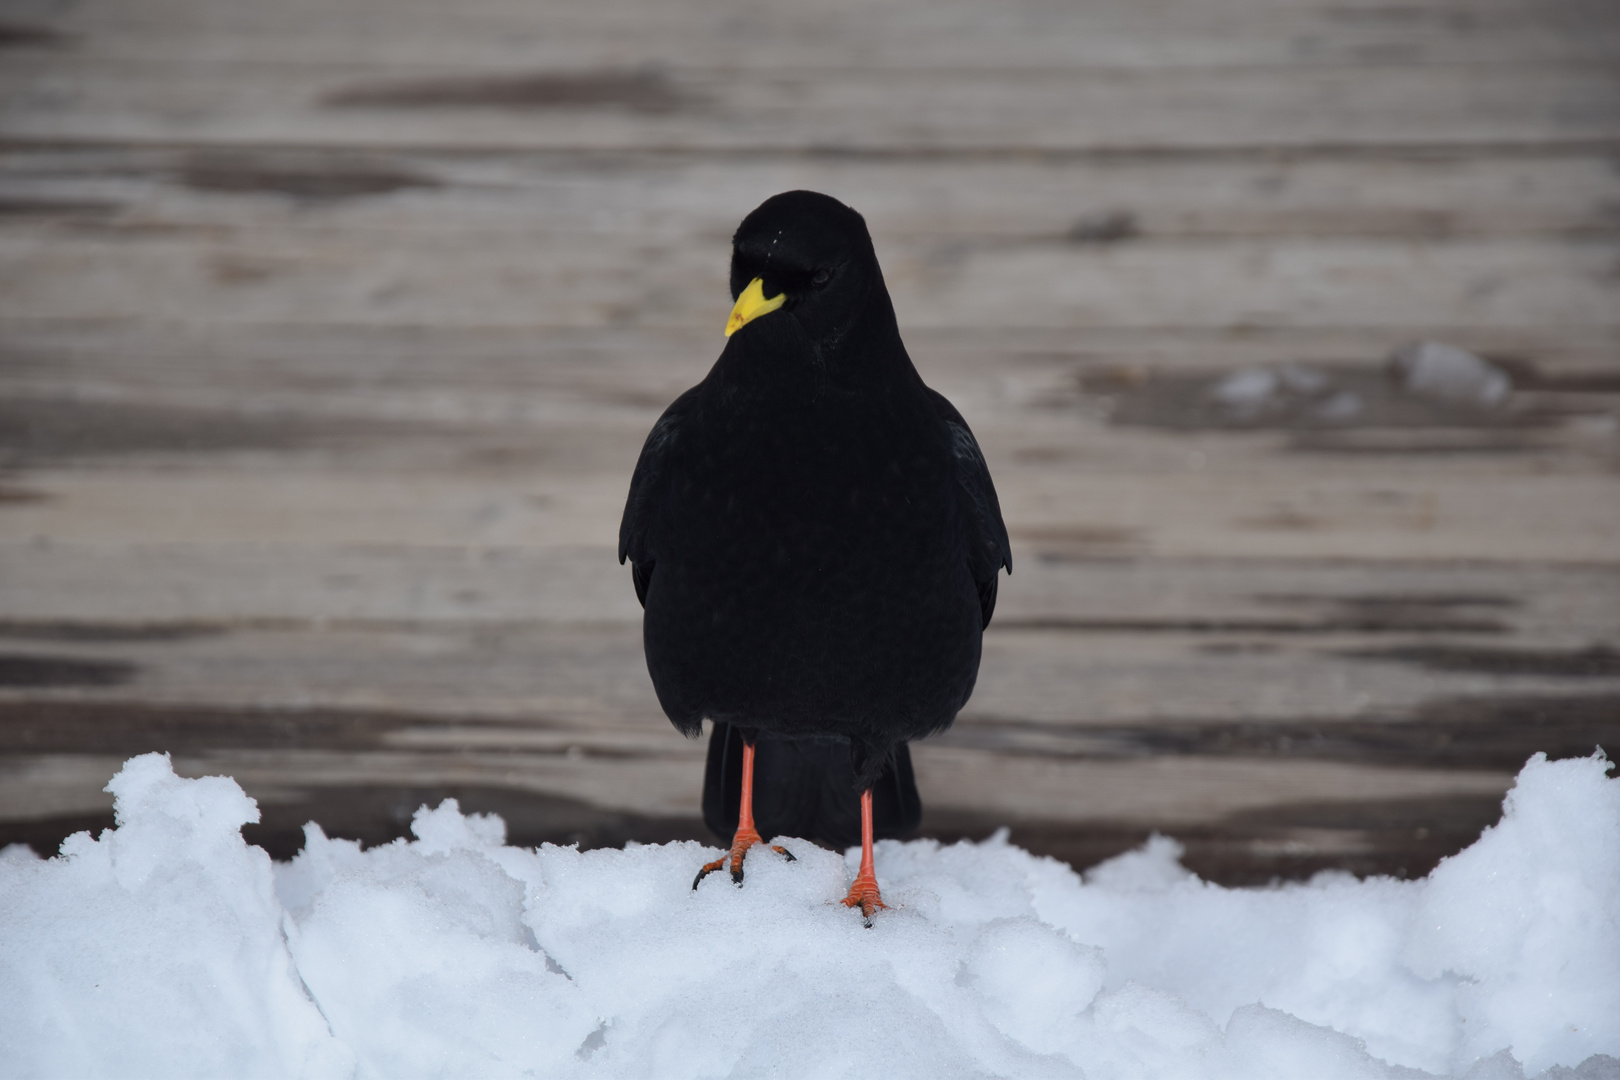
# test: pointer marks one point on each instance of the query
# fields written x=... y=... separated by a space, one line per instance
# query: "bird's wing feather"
x=646 y=484
x=988 y=548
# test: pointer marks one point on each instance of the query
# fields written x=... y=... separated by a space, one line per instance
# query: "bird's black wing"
x=640 y=509
x=988 y=549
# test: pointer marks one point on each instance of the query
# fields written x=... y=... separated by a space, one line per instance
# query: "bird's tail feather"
x=805 y=788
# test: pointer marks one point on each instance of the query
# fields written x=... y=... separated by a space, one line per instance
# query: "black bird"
x=816 y=541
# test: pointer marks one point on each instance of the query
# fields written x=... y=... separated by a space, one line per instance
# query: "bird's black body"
x=814 y=535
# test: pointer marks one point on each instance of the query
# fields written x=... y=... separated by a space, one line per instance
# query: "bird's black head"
x=814 y=253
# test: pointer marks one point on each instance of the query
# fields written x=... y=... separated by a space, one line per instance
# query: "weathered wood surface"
x=329 y=333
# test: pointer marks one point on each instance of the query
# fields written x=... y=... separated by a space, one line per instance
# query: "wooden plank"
x=496 y=282
x=439 y=633
x=315 y=417
x=832 y=35
x=1224 y=244
x=1427 y=194
x=58 y=98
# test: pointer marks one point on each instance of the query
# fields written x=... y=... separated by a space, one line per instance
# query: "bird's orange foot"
x=864 y=894
x=740 y=843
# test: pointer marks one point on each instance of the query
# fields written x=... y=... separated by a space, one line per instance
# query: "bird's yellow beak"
x=751 y=305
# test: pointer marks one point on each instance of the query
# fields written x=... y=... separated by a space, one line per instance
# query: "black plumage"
x=814 y=535
x=806 y=787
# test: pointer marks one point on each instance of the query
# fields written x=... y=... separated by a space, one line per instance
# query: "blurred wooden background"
x=330 y=331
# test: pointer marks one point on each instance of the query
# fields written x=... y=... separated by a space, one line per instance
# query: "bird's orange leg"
x=747 y=836
x=865 y=890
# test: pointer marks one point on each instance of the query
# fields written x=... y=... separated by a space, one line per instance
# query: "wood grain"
x=329 y=333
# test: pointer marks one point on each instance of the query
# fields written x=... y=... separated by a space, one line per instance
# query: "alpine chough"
x=816 y=541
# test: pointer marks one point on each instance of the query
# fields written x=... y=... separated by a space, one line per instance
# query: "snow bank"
x=169 y=947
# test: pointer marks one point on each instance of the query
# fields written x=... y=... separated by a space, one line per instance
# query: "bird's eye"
x=821 y=278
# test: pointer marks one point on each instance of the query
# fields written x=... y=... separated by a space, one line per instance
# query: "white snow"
x=1435 y=369
x=1249 y=393
x=169 y=947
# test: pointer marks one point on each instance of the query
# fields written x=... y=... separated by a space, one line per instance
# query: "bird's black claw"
x=708 y=869
x=736 y=867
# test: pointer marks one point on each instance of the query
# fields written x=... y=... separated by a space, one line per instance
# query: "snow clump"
x=1437 y=370
x=1255 y=392
x=169 y=947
